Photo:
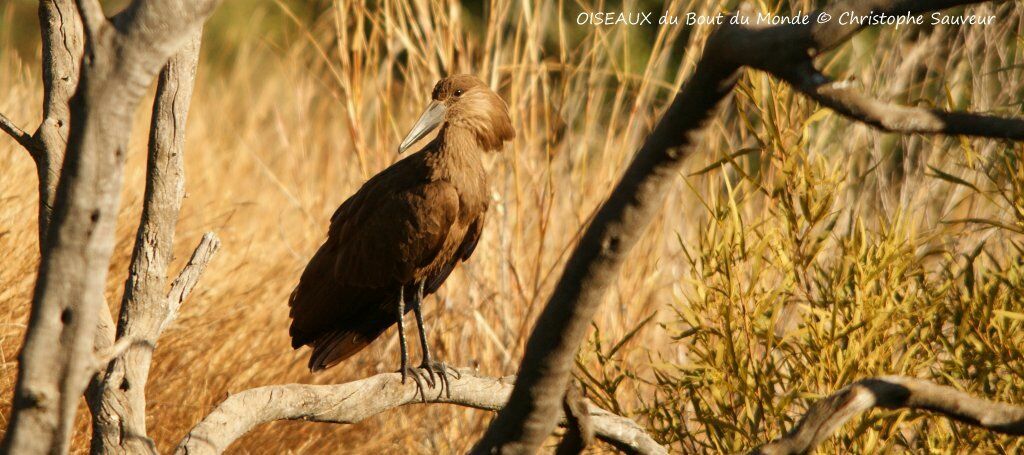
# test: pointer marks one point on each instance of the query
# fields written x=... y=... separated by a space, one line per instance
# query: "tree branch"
x=117 y=67
x=92 y=17
x=119 y=414
x=842 y=98
x=531 y=415
x=354 y=401
x=893 y=392
x=579 y=431
x=63 y=43
x=189 y=277
x=24 y=139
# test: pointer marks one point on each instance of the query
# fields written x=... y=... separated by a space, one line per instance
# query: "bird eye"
x=458 y=93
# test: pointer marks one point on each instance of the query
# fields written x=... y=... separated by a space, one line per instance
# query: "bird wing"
x=378 y=239
x=401 y=234
x=472 y=237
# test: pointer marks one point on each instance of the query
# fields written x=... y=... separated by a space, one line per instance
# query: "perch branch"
x=24 y=139
x=354 y=401
x=894 y=392
x=531 y=415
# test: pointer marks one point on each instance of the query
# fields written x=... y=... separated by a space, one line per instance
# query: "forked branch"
x=354 y=401
x=24 y=139
x=894 y=392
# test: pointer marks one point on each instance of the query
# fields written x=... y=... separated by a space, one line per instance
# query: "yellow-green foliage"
x=796 y=253
x=822 y=253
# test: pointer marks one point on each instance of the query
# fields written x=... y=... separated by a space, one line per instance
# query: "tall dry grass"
x=797 y=253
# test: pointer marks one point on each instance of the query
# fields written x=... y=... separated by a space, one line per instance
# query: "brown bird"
x=402 y=233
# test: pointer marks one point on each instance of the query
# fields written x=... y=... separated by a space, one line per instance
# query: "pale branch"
x=92 y=16
x=63 y=43
x=144 y=307
x=579 y=431
x=531 y=415
x=189 y=277
x=894 y=392
x=842 y=98
x=118 y=65
x=355 y=401
x=114 y=351
x=24 y=139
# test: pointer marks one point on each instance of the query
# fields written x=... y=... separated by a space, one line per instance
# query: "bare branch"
x=189 y=276
x=119 y=412
x=63 y=43
x=894 y=392
x=579 y=431
x=354 y=401
x=842 y=98
x=92 y=17
x=24 y=139
x=115 y=351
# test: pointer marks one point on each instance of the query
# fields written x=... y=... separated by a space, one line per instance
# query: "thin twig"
x=116 y=350
x=24 y=139
x=894 y=392
x=189 y=276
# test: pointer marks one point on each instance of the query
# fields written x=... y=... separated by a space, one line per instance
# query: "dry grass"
x=822 y=252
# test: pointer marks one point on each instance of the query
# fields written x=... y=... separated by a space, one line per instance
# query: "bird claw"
x=443 y=371
x=417 y=377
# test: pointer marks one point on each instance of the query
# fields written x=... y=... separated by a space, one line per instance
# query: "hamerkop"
x=398 y=238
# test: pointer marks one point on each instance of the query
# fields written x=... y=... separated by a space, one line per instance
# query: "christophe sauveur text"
x=613 y=18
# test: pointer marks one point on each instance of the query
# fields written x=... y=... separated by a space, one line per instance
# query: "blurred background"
x=797 y=253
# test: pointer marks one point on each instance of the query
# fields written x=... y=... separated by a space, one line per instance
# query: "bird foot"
x=443 y=372
x=418 y=376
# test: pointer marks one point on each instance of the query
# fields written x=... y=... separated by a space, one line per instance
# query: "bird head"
x=463 y=101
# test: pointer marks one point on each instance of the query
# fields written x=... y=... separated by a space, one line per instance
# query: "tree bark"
x=55 y=364
x=354 y=401
x=119 y=412
x=893 y=392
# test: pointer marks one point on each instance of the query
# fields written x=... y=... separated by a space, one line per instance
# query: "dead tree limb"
x=62 y=41
x=579 y=432
x=120 y=60
x=893 y=392
x=354 y=401
x=534 y=406
x=20 y=136
x=119 y=410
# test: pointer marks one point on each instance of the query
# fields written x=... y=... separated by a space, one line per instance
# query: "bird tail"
x=334 y=347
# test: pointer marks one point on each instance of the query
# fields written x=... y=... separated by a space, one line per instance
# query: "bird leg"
x=405 y=369
x=428 y=364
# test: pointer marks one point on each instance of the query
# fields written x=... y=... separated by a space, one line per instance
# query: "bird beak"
x=431 y=119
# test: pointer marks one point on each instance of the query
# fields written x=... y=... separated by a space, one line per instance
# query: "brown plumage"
x=402 y=233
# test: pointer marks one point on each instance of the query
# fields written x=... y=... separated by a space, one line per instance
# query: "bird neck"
x=457 y=152
x=459 y=139
x=459 y=144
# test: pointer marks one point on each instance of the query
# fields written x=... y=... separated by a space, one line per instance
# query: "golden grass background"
x=798 y=251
